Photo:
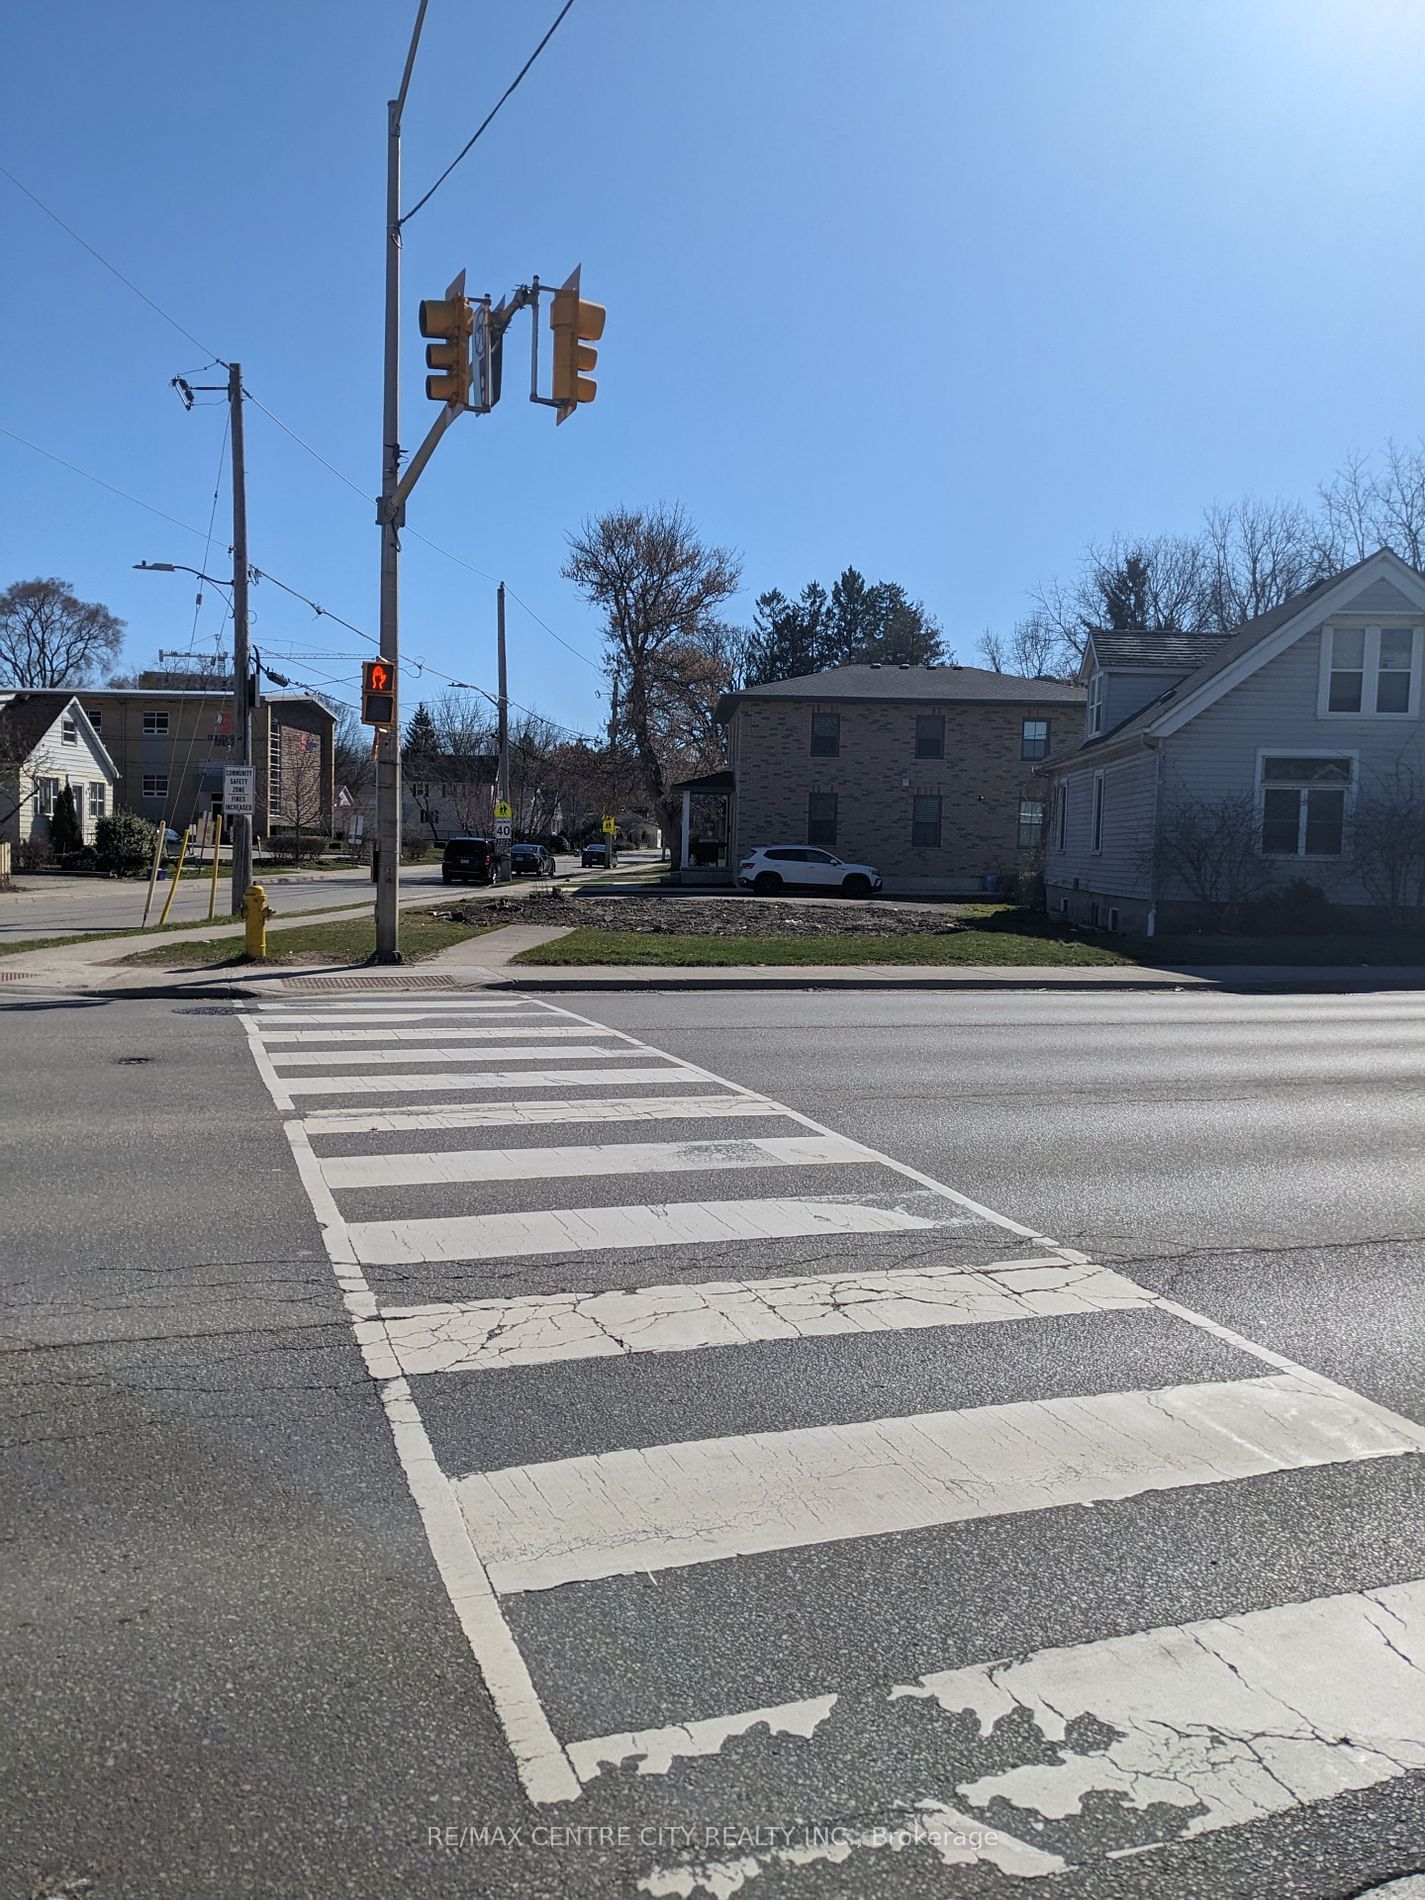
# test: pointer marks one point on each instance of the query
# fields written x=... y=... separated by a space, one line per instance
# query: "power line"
x=550 y=631
x=287 y=430
x=489 y=115
x=99 y=482
x=207 y=544
x=127 y=282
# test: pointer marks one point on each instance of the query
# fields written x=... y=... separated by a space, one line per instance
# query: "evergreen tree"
x=422 y=738
x=65 y=831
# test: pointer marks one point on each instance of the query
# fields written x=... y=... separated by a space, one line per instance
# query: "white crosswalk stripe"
x=415 y=1195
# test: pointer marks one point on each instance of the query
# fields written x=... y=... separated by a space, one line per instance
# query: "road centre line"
x=538 y=1114
x=583 y=1519
x=592 y=1229
x=478 y=1335
x=596 y=1159
x=420 y=1081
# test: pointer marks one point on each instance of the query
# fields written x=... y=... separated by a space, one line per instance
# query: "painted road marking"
x=593 y=1229
x=336 y=1058
x=448 y=1032
x=631 y=1157
x=385 y=1012
x=477 y=1335
x=540 y=1114
x=656 y=1749
x=1241 y=1716
x=420 y=1080
x=580 y=1519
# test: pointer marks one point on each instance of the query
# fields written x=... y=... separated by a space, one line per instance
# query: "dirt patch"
x=716 y=916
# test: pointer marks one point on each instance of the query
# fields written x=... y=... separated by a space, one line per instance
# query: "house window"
x=97 y=800
x=68 y=732
x=1031 y=824
x=925 y=818
x=821 y=818
x=155 y=784
x=155 y=724
x=1304 y=806
x=1098 y=811
x=48 y=796
x=1061 y=814
x=825 y=735
x=1112 y=917
x=1094 y=713
x=1372 y=670
x=1034 y=739
x=96 y=719
x=930 y=735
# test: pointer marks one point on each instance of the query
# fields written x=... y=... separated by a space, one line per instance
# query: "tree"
x=1388 y=839
x=49 y=638
x=1256 y=554
x=1209 y=847
x=422 y=740
x=880 y=623
x=1032 y=651
x=66 y=834
x=301 y=803
x=352 y=764
x=788 y=638
x=659 y=588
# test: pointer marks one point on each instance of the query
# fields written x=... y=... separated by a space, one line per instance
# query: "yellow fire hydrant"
x=256 y=911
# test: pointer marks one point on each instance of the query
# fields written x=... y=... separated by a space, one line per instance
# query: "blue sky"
x=938 y=288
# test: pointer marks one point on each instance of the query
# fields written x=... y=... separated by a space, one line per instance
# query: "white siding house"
x=46 y=743
x=1282 y=728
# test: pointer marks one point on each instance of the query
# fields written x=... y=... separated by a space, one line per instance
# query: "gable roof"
x=25 y=718
x=1153 y=651
x=1241 y=644
x=904 y=684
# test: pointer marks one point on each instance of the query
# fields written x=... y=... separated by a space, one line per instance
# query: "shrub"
x=123 y=844
x=1296 y=909
x=33 y=853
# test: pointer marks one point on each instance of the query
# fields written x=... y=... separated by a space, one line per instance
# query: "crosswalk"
x=731 y=1433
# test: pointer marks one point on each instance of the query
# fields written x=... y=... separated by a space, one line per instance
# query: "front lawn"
x=343 y=940
x=981 y=947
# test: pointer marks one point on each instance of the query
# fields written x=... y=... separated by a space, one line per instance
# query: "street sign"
x=239 y=785
x=503 y=829
x=610 y=827
x=502 y=810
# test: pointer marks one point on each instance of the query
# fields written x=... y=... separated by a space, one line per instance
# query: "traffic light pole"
x=241 y=826
x=389 y=516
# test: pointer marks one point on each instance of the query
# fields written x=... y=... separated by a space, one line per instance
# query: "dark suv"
x=472 y=860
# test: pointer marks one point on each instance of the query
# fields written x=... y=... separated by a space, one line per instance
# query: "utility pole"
x=390 y=515
x=613 y=771
x=502 y=768
x=242 y=695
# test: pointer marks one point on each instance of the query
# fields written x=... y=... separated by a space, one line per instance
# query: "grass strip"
x=589 y=946
x=342 y=940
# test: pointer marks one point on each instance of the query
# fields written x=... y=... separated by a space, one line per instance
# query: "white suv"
x=775 y=867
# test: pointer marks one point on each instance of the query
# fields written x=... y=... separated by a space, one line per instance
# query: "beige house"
x=170 y=747
x=46 y=744
x=925 y=772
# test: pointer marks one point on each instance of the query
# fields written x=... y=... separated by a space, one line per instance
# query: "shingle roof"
x=1150 y=649
x=903 y=683
x=1226 y=648
x=26 y=718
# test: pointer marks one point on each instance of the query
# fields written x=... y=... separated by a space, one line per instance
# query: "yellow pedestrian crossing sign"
x=610 y=827
x=502 y=810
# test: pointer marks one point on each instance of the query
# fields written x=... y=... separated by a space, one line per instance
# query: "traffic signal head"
x=378 y=693
x=576 y=326
x=452 y=320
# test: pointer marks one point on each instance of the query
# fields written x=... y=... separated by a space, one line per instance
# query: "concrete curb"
x=1251 y=977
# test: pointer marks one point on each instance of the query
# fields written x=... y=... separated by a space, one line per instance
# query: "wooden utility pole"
x=241 y=826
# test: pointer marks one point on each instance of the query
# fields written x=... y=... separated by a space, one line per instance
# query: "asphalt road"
x=233 y=1665
x=45 y=906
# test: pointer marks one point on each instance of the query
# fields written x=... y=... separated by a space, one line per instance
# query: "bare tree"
x=301 y=802
x=1209 y=847
x=49 y=638
x=1388 y=839
x=1034 y=650
x=1256 y=554
x=659 y=588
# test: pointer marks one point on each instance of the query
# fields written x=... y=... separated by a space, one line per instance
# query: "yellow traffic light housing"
x=576 y=326
x=452 y=320
x=378 y=693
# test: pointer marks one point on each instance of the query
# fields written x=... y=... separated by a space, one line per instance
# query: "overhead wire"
x=99 y=482
x=484 y=123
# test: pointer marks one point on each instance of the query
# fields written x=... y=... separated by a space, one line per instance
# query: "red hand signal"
x=380 y=677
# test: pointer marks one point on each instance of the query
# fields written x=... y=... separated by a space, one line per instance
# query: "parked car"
x=594 y=853
x=774 y=867
x=471 y=860
x=530 y=860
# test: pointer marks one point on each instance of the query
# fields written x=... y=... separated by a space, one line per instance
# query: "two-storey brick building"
x=927 y=772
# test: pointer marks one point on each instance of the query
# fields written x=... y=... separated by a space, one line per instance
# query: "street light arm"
x=178 y=567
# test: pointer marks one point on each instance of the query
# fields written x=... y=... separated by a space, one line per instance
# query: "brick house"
x=927 y=772
x=170 y=746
